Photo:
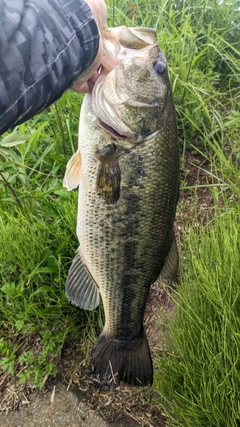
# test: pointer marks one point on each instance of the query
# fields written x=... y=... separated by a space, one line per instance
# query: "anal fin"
x=81 y=289
x=170 y=267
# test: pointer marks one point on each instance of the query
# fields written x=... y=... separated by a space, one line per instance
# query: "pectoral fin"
x=170 y=267
x=73 y=170
x=81 y=289
x=109 y=175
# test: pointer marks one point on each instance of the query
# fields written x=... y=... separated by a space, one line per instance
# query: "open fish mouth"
x=135 y=87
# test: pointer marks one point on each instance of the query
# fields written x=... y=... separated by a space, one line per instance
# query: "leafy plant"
x=8 y=352
x=36 y=367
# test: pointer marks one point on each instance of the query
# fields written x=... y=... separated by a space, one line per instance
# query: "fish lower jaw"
x=114 y=133
x=128 y=140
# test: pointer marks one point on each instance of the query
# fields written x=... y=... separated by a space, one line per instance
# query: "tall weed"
x=198 y=377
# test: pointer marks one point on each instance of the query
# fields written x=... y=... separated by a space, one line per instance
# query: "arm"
x=44 y=46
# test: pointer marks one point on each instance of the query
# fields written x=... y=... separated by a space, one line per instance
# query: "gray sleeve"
x=44 y=46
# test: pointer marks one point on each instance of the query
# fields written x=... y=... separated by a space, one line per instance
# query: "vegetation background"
x=197 y=377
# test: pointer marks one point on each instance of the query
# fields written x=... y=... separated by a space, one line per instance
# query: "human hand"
x=86 y=80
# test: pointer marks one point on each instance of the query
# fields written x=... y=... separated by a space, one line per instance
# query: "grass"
x=35 y=254
x=38 y=217
x=198 y=377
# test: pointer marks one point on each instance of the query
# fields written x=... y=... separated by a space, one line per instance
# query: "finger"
x=86 y=87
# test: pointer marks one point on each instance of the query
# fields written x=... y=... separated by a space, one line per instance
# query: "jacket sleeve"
x=44 y=46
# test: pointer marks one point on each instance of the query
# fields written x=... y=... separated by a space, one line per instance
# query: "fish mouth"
x=113 y=131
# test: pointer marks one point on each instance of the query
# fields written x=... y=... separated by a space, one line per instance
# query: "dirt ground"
x=55 y=407
x=69 y=399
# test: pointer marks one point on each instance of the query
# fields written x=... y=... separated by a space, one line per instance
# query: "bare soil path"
x=57 y=407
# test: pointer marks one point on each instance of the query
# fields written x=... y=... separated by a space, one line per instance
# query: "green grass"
x=198 y=377
x=38 y=217
x=36 y=252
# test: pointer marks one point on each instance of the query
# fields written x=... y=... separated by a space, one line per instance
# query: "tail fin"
x=113 y=361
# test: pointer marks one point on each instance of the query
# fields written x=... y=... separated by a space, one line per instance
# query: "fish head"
x=134 y=100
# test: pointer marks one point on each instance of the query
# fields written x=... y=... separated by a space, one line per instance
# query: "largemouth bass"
x=127 y=170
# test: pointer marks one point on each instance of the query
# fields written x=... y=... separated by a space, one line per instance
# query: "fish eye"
x=159 y=67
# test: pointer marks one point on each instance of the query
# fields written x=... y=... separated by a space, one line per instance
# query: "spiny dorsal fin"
x=109 y=174
x=170 y=267
x=72 y=174
x=81 y=289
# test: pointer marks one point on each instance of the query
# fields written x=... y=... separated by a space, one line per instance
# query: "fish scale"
x=127 y=200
